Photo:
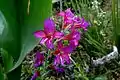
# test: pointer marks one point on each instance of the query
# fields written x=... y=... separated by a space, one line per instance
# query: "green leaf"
x=1 y=73
x=101 y=78
x=8 y=39
x=3 y=23
x=3 y=28
x=116 y=23
x=23 y=18
x=7 y=60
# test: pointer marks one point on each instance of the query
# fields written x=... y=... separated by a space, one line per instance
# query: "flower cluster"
x=54 y=39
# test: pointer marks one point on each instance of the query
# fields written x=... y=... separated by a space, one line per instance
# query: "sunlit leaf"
x=19 y=19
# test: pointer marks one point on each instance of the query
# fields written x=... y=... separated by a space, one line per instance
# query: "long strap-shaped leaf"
x=23 y=17
x=116 y=22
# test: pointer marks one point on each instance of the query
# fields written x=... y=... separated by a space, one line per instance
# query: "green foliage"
x=18 y=20
x=101 y=78
x=1 y=73
x=116 y=22
x=7 y=60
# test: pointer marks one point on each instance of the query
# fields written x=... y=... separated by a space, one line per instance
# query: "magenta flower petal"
x=84 y=24
x=58 y=34
x=75 y=42
x=68 y=49
x=35 y=75
x=48 y=34
x=66 y=58
x=73 y=35
x=70 y=21
x=68 y=17
x=43 y=40
x=60 y=45
x=57 y=59
x=73 y=38
x=62 y=53
x=62 y=14
x=81 y=23
x=49 y=26
x=49 y=44
x=39 y=59
x=59 y=70
x=69 y=13
x=62 y=59
x=39 y=34
x=76 y=35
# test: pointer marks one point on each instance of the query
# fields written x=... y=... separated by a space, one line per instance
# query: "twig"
x=61 y=5
x=107 y=58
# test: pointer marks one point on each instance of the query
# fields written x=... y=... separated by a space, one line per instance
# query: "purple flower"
x=35 y=75
x=68 y=17
x=74 y=21
x=73 y=37
x=62 y=54
x=56 y=68
x=39 y=59
x=62 y=58
x=48 y=34
x=59 y=70
x=80 y=23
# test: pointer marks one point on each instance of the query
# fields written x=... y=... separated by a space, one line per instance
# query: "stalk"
x=115 y=22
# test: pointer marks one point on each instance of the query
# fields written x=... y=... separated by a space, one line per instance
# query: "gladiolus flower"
x=80 y=23
x=67 y=16
x=73 y=37
x=72 y=20
x=62 y=54
x=39 y=59
x=61 y=58
x=48 y=34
